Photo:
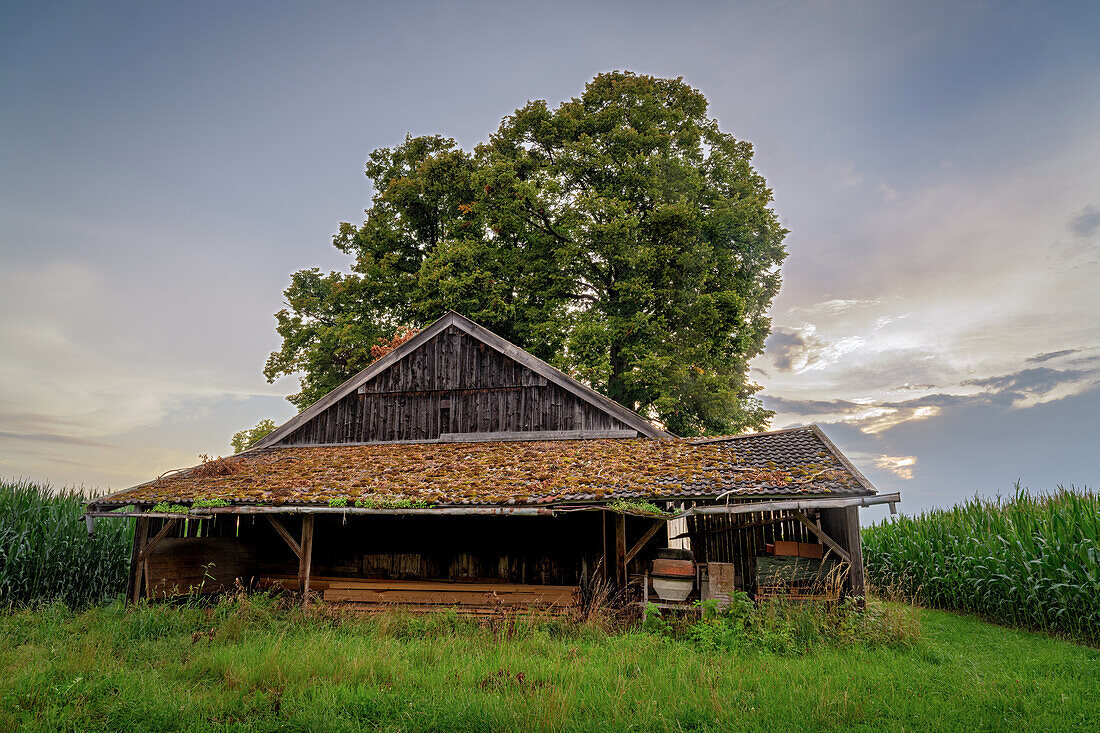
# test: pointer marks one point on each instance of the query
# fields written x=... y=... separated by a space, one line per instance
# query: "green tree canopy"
x=622 y=237
x=244 y=439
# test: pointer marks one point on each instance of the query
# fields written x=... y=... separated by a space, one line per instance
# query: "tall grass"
x=46 y=553
x=1031 y=560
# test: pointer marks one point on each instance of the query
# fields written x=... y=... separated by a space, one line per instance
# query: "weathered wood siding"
x=452 y=384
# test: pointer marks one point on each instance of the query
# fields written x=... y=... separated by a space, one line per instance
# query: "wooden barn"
x=461 y=471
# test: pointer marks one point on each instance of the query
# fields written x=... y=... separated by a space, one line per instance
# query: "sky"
x=164 y=168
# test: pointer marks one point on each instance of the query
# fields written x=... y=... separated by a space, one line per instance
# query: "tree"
x=622 y=236
x=245 y=439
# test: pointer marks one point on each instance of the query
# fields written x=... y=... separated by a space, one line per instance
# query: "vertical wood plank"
x=620 y=550
x=856 y=581
x=141 y=536
x=307 y=557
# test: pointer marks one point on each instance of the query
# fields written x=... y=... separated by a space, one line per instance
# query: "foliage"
x=637 y=506
x=164 y=507
x=381 y=503
x=622 y=236
x=259 y=664
x=787 y=628
x=338 y=502
x=387 y=345
x=204 y=503
x=1032 y=560
x=245 y=439
x=46 y=553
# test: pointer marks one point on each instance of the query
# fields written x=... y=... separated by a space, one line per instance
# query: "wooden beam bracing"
x=644 y=539
x=278 y=526
x=156 y=540
x=826 y=539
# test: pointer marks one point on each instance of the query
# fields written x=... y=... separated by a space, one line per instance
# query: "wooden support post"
x=644 y=539
x=856 y=578
x=306 y=557
x=829 y=541
x=620 y=550
x=141 y=534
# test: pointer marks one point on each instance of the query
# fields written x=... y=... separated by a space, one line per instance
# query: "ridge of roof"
x=479 y=332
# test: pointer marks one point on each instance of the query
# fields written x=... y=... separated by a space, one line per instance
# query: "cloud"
x=836 y=305
x=901 y=466
x=1052 y=355
x=1030 y=387
x=1013 y=391
x=48 y=438
x=801 y=349
x=1086 y=222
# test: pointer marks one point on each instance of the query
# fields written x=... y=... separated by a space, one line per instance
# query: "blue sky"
x=163 y=170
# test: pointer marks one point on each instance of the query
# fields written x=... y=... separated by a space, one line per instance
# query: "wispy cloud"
x=834 y=306
x=1086 y=222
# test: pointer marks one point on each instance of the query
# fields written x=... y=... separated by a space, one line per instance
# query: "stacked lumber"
x=434 y=595
x=446 y=593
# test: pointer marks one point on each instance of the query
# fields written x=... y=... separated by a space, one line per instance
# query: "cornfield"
x=46 y=553
x=1032 y=560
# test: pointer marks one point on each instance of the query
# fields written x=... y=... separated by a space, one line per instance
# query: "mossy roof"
x=799 y=462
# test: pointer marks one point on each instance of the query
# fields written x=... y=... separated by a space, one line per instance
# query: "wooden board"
x=431 y=593
x=178 y=566
x=448 y=597
x=722 y=582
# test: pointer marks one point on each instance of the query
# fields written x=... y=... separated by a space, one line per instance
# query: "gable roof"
x=484 y=335
x=800 y=462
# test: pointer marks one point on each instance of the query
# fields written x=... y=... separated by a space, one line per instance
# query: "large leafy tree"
x=622 y=236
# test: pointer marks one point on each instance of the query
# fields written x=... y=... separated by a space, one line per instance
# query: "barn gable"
x=454 y=382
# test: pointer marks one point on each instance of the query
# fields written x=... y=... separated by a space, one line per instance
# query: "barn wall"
x=452 y=384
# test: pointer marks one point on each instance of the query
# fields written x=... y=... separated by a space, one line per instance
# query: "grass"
x=46 y=553
x=248 y=665
x=1031 y=560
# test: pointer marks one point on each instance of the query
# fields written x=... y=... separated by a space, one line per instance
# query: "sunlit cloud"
x=900 y=466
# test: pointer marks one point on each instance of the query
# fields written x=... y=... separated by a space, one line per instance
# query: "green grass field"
x=257 y=668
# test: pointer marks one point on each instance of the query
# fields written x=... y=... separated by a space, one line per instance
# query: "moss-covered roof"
x=789 y=462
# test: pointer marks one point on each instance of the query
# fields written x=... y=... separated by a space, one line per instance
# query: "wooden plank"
x=792 y=504
x=829 y=541
x=620 y=550
x=294 y=546
x=645 y=538
x=306 y=557
x=856 y=580
x=442 y=585
x=495 y=436
x=449 y=597
x=141 y=533
x=156 y=540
